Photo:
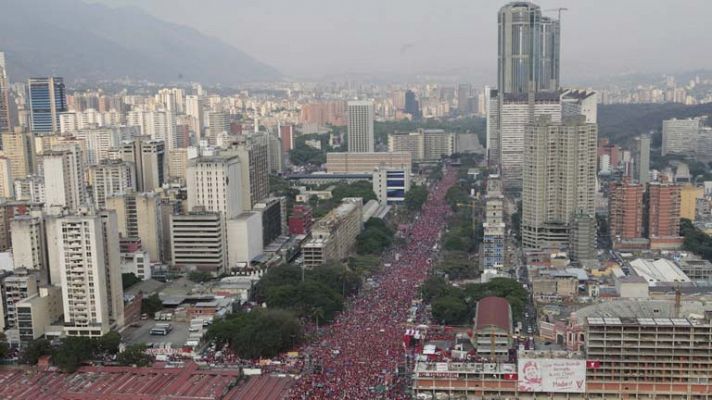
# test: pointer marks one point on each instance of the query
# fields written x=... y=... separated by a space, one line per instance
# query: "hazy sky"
x=313 y=38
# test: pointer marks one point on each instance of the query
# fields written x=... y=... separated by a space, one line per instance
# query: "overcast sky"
x=314 y=38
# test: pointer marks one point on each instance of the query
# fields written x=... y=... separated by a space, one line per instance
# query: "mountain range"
x=93 y=42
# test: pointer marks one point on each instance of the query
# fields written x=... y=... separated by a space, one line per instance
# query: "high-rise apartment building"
x=253 y=154
x=663 y=211
x=47 y=99
x=64 y=178
x=19 y=148
x=7 y=187
x=99 y=141
x=139 y=216
x=559 y=179
x=423 y=145
x=360 y=126
x=5 y=122
x=626 y=211
x=15 y=288
x=642 y=159
x=81 y=269
x=680 y=135
x=158 y=125
x=30 y=189
x=286 y=135
x=334 y=235
x=150 y=162
x=29 y=247
x=215 y=184
x=109 y=178
x=528 y=53
x=194 y=109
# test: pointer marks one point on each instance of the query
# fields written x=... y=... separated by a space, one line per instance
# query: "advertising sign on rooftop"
x=554 y=375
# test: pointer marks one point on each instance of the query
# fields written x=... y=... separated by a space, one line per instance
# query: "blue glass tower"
x=47 y=99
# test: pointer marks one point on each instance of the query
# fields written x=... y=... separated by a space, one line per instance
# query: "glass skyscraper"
x=47 y=99
x=528 y=54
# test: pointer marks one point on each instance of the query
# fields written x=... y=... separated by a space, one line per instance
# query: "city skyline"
x=455 y=37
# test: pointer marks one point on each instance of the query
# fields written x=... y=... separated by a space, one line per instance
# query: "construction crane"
x=559 y=10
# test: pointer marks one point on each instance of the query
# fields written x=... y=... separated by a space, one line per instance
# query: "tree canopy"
x=415 y=197
x=375 y=238
x=129 y=279
x=447 y=300
x=259 y=333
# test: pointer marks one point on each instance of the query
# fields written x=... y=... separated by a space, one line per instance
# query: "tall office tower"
x=464 y=92
x=680 y=135
x=30 y=189
x=492 y=140
x=663 y=211
x=254 y=163
x=109 y=178
x=360 y=126
x=7 y=187
x=199 y=239
x=81 y=270
x=64 y=179
x=215 y=184
x=642 y=159
x=5 y=122
x=286 y=135
x=626 y=211
x=149 y=159
x=19 y=147
x=412 y=106
x=528 y=53
x=194 y=109
x=159 y=125
x=139 y=216
x=47 y=99
x=559 y=179
x=29 y=246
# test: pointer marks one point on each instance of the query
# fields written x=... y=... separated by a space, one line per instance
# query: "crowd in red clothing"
x=361 y=350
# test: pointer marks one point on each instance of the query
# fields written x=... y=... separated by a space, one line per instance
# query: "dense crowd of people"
x=357 y=356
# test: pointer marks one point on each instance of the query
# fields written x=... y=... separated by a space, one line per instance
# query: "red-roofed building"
x=492 y=333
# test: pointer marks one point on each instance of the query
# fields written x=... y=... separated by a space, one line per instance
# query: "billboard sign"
x=554 y=375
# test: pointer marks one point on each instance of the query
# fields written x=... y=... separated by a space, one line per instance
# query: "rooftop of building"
x=660 y=271
x=185 y=383
x=493 y=311
x=643 y=309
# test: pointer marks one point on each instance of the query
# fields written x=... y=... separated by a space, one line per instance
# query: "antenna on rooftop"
x=559 y=10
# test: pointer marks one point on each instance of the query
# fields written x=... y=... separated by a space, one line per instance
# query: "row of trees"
x=260 y=333
x=375 y=238
x=695 y=241
x=75 y=350
x=454 y=305
x=415 y=198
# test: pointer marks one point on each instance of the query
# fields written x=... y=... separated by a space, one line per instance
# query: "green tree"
x=108 y=343
x=200 y=276
x=151 y=304
x=415 y=198
x=259 y=333
x=34 y=350
x=450 y=310
x=375 y=238
x=72 y=352
x=134 y=354
x=129 y=279
x=4 y=346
